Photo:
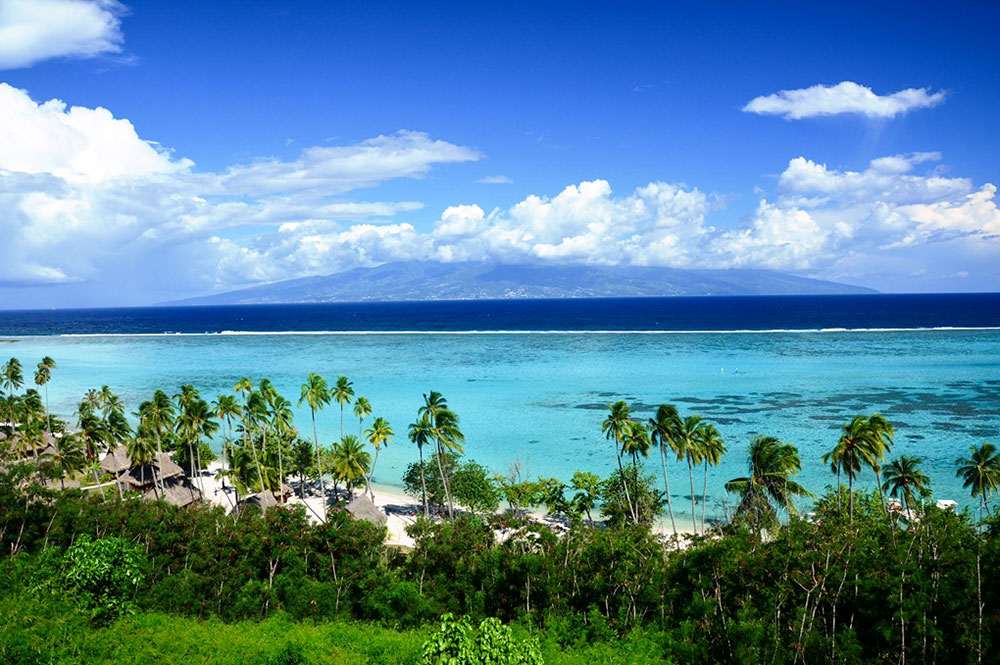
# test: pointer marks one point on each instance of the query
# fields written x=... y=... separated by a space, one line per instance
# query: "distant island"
x=429 y=280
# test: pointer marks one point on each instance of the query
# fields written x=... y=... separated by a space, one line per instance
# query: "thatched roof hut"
x=362 y=508
x=143 y=476
x=177 y=491
x=116 y=461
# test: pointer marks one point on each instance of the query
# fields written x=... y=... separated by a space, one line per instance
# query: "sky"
x=156 y=150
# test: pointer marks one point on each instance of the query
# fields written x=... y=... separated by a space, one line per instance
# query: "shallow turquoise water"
x=540 y=398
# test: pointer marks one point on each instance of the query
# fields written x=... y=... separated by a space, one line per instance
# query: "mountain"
x=427 y=280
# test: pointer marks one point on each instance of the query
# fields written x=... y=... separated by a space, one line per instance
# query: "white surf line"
x=770 y=331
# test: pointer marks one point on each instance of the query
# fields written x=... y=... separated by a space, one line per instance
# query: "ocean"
x=531 y=379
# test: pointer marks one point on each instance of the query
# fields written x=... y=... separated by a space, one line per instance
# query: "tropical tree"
x=379 y=434
x=446 y=433
x=196 y=424
x=904 y=478
x=362 y=409
x=687 y=441
x=281 y=421
x=713 y=449
x=245 y=387
x=661 y=429
x=771 y=465
x=316 y=394
x=342 y=393
x=225 y=408
x=67 y=457
x=93 y=433
x=864 y=441
x=980 y=473
x=615 y=427
x=42 y=377
x=157 y=418
x=350 y=462
x=142 y=451
x=12 y=379
x=636 y=443
x=421 y=433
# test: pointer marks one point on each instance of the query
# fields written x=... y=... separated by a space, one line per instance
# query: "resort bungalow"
x=362 y=508
x=148 y=479
x=266 y=499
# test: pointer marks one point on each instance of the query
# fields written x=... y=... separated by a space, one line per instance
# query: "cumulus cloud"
x=84 y=199
x=36 y=30
x=98 y=212
x=845 y=97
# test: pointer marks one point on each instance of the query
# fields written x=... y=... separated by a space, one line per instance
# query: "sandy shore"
x=400 y=509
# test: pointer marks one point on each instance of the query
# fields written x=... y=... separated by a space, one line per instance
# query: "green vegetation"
x=94 y=577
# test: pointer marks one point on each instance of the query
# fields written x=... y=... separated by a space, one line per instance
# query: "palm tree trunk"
x=666 y=485
x=694 y=511
x=201 y=481
x=840 y=490
x=319 y=465
x=281 y=473
x=159 y=453
x=444 y=481
x=704 y=497
x=48 y=414
x=423 y=479
x=850 y=489
x=621 y=471
x=371 y=474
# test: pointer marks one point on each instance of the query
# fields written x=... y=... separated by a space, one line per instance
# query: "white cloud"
x=495 y=180
x=845 y=97
x=84 y=199
x=36 y=30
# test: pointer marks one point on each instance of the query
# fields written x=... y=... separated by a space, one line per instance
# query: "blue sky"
x=240 y=141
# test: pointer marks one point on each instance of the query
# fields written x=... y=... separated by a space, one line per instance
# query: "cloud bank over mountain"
x=85 y=200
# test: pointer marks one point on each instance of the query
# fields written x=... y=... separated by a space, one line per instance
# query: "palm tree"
x=316 y=394
x=421 y=433
x=980 y=472
x=282 y=418
x=12 y=379
x=142 y=451
x=342 y=393
x=771 y=464
x=713 y=449
x=196 y=424
x=635 y=443
x=614 y=428
x=225 y=408
x=445 y=430
x=157 y=415
x=903 y=477
x=860 y=445
x=379 y=434
x=42 y=377
x=68 y=457
x=244 y=387
x=362 y=409
x=687 y=438
x=350 y=462
x=661 y=430
x=94 y=435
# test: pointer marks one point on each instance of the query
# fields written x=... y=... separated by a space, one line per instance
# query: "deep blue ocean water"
x=533 y=385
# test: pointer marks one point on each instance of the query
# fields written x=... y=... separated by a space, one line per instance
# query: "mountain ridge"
x=429 y=280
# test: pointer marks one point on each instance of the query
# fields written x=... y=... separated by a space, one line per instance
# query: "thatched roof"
x=362 y=508
x=116 y=461
x=179 y=492
x=151 y=472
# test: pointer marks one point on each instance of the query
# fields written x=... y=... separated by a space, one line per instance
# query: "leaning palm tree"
x=771 y=465
x=713 y=449
x=350 y=462
x=158 y=416
x=225 y=408
x=316 y=394
x=422 y=433
x=446 y=433
x=980 y=472
x=614 y=428
x=42 y=377
x=859 y=446
x=12 y=379
x=661 y=430
x=904 y=477
x=687 y=438
x=281 y=421
x=93 y=434
x=362 y=409
x=197 y=424
x=379 y=434
x=342 y=393
x=636 y=442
